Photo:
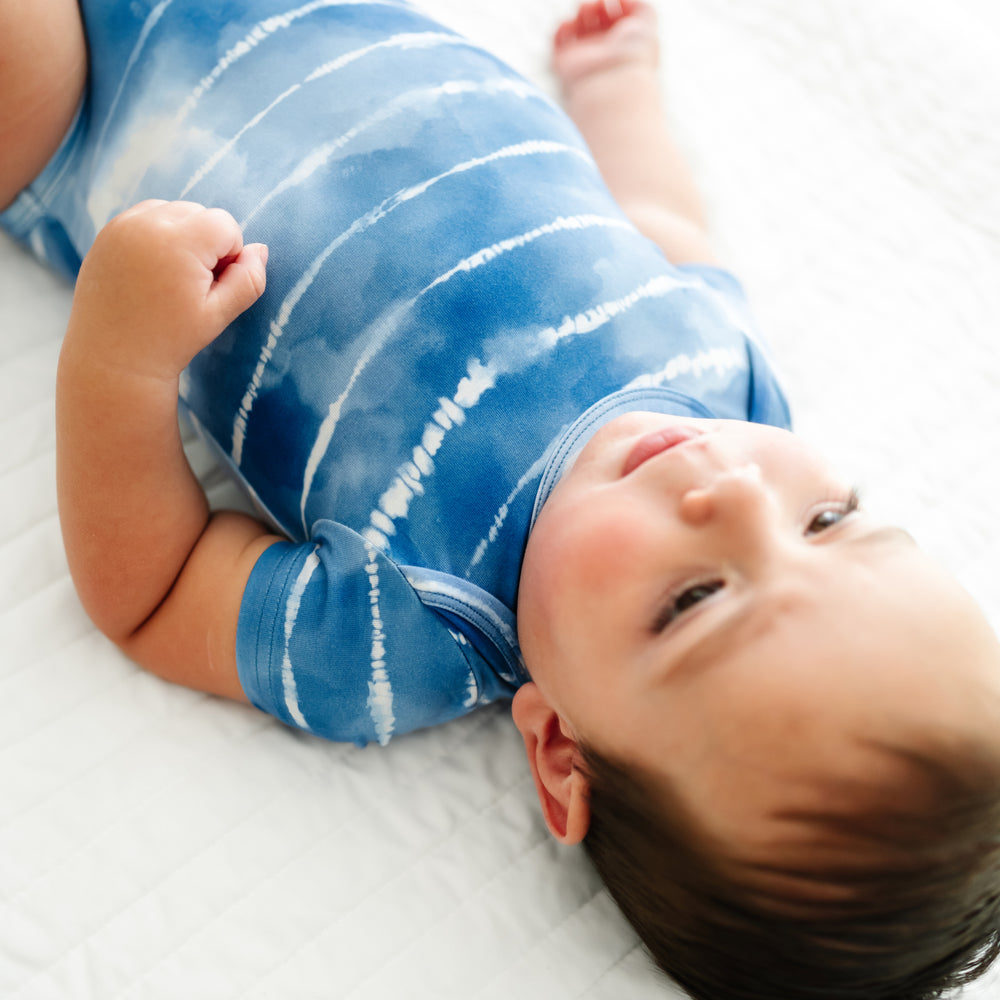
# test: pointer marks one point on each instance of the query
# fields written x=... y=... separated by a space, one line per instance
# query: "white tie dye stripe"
x=154 y=16
x=376 y=336
x=291 y=616
x=321 y=156
x=394 y=504
x=425 y=39
x=500 y=517
x=718 y=359
x=472 y=685
x=259 y=33
x=411 y=40
x=379 y=686
x=213 y=161
x=562 y=224
x=531 y=147
x=592 y=319
x=386 y=325
x=126 y=176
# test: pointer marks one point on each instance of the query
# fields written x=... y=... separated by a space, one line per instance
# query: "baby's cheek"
x=603 y=562
x=568 y=554
x=612 y=550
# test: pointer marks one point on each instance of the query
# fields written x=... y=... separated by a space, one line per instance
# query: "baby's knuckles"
x=158 y=252
x=143 y=291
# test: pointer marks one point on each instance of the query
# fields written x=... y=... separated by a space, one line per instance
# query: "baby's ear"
x=553 y=755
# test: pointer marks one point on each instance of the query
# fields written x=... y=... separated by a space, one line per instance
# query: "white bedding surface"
x=155 y=843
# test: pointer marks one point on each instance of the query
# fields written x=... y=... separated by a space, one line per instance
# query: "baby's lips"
x=655 y=443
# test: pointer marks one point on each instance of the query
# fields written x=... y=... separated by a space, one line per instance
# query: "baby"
x=490 y=375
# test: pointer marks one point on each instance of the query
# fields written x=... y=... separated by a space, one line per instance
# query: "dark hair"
x=892 y=891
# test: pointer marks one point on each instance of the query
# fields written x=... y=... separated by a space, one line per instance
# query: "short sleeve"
x=767 y=402
x=333 y=639
x=717 y=278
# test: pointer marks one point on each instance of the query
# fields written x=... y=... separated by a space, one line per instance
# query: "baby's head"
x=773 y=720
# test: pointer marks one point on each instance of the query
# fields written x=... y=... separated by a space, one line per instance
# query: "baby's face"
x=703 y=599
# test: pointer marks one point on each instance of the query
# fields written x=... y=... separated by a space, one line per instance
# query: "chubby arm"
x=43 y=68
x=158 y=574
x=607 y=61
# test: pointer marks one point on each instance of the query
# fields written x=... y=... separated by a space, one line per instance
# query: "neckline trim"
x=654 y=399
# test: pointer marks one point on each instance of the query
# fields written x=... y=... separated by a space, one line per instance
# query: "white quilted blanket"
x=155 y=843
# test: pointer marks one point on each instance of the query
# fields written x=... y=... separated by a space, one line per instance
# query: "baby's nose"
x=736 y=495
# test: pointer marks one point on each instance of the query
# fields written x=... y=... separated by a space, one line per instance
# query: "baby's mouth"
x=655 y=443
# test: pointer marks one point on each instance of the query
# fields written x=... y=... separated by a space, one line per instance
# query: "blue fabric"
x=454 y=304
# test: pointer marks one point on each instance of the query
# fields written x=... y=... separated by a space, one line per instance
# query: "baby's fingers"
x=240 y=281
x=212 y=232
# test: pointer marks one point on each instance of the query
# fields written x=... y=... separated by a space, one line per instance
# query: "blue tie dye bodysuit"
x=454 y=304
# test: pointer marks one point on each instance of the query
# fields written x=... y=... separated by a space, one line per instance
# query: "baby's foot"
x=605 y=34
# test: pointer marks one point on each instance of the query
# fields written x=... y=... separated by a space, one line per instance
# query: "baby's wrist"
x=114 y=342
x=611 y=84
x=107 y=367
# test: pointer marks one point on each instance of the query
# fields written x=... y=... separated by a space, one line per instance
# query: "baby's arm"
x=607 y=61
x=43 y=66
x=155 y=571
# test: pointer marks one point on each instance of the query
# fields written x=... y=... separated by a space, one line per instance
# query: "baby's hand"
x=163 y=280
x=604 y=35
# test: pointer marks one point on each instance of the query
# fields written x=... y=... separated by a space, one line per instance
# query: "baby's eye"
x=834 y=515
x=686 y=599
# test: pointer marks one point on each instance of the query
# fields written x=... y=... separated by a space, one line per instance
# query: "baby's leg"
x=43 y=67
x=607 y=61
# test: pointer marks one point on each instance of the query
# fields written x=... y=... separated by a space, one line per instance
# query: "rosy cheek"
x=605 y=553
